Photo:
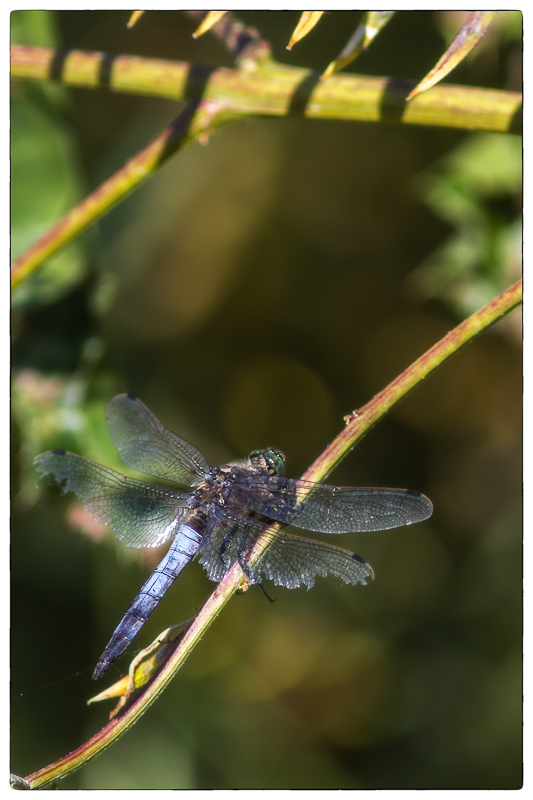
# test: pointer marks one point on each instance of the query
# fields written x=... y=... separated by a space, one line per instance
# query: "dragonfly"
x=219 y=513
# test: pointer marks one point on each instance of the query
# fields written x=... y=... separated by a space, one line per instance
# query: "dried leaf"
x=470 y=34
x=135 y=15
x=211 y=19
x=143 y=667
x=373 y=22
x=139 y=674
x=307 y=22
x=116 y=690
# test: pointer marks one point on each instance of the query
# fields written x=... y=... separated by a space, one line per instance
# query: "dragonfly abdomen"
x=184 y=547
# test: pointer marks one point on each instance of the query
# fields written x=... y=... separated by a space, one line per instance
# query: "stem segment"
x=357 y=426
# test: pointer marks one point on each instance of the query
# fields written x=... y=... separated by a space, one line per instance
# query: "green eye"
x=275 y=462
x=272 y=460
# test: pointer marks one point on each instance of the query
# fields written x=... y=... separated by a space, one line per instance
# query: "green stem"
x=261 y=87
x=359 y=423
x=270 y=88
x=55 y=772
x=363 y=419
x=194 y=120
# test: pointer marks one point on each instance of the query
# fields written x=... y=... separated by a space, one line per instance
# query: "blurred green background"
x=259 y=288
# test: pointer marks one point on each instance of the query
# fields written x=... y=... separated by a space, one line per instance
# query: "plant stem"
x=270 y=88
x=362 y=420
x=218 y=95
x=195 y=119
x=359 y=423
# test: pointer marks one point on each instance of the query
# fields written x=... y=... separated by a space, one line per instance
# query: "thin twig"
x=194 y=119
x=221 y=95
x=360 y=422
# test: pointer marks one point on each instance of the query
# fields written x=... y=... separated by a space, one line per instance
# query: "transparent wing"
x=140 y=514
x=333 y=509
x=223 y=545
x=147 y=446
x=289 y=561
x=294 y=561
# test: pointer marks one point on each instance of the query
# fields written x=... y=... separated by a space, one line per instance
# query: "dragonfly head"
x=271 y=460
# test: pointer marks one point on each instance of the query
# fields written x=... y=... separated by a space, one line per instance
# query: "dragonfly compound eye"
x=275 y=461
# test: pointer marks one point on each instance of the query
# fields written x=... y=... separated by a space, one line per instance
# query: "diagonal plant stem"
x=272 y=90
x=196 y=118
x=261 y=87
x=358 y=424
x=363 y=419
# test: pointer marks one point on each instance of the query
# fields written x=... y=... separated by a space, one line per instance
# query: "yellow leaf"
x=142 y=667
x=470 y=34
x=140 y=673
x=373 y=22
x=307 y=22
x=135 y=15
x=211 y=19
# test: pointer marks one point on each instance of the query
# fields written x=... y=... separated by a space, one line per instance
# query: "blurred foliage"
x=252 y=293
x=45 y=173
x=477 y=191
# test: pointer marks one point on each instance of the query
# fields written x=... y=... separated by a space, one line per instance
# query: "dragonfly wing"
x=293 y=561
x=147 y=446
x=334 y=509
x=222 y=546
x=289 y=561
x=139 y=513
